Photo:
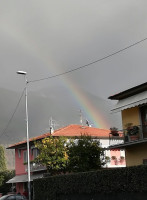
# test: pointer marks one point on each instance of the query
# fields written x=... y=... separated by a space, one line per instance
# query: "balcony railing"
x=35 y=167
x=131 y=134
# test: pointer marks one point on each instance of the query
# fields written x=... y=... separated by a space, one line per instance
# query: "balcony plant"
x=114 y=131
x=122 y=158
x=31 y=162
x=132 y=131
x=114 y=159
x=107 y=159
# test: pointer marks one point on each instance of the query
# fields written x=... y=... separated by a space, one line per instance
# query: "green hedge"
x=4 y=177
x=130 y=179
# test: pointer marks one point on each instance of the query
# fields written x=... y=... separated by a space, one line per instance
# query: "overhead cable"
x=5 y=129
x=91 y=63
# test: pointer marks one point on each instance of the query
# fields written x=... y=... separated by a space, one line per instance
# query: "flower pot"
x=115 y=133
x=134 y=137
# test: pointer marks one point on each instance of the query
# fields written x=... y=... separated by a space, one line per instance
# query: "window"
x=11 y=198
x=35 y=153
x=145 y=161
x=144 y=114
x=25 y=157
x=143 y=110
x=19 y=153
x=18 y=197
x=25 y=186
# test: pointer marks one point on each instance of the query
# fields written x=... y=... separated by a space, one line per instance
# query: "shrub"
x=4 y=177
x=118 y=180
x=85 y=155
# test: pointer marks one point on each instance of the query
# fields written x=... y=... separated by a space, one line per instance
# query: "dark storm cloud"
x=49 y=37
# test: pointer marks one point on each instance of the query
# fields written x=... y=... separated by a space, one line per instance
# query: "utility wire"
x=69 y=71
x=91 y=63
x=4 y=131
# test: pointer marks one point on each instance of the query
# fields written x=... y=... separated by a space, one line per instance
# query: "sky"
x=49 y=37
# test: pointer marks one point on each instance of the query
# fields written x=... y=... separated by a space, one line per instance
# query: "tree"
x=2 y=159
x=85 y=154
x=53 y=154
x=4 y=177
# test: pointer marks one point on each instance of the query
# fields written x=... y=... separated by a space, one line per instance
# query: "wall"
x=135 y=154
x=10 y=157
x=117 y=153
x=130 y=115
x=117 y=162
x=19 y=162
x=19 y=188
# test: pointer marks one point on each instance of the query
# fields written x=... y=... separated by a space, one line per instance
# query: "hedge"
x=129 y=179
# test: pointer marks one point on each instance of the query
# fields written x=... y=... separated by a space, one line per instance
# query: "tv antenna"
x=52 y=125
x=84 y=119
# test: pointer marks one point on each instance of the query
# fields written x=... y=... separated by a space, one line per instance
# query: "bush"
x=4 y=177
x=130 y=179
x=85 y=155
x=2 y=159
x=53 y=154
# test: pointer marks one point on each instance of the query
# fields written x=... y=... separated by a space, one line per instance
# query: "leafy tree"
x=85 y=154
x=1 y=179
x=4 y=177
x=53 y=154
x=2 y=159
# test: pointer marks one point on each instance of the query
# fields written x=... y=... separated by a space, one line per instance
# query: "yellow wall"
x=130 y=115
x=135 y=154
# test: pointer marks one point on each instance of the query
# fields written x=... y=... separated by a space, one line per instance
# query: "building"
x=100 y=134
x=132 y=104
x=69 y=131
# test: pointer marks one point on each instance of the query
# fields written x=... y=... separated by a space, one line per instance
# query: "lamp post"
x=27 y=132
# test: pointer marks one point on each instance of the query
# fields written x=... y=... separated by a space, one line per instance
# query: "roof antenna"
x=52 y=125
x=88 y=124
x=81 y=117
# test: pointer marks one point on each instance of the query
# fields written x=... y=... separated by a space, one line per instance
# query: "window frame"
x=35 y=153
x=25 y=157
x=19 y=153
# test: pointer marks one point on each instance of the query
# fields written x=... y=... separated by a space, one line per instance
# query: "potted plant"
x=114 y=159
x=132 y=131
x=122 y=158
x=114 y=131
x=107 y=159
x=129 y=128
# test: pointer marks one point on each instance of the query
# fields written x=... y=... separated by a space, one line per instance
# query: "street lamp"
x=27 y=132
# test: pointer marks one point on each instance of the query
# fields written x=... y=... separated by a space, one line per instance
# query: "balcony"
x=34 y=167
x=130 y=135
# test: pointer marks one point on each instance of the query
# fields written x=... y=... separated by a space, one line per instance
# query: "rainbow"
x=29 y=44
x=91 y=113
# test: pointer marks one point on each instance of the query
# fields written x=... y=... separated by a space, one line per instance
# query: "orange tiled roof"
x=70 y=131
x=30 y=140
x=77 y=130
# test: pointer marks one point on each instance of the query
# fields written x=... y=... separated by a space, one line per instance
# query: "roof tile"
x=72 y=130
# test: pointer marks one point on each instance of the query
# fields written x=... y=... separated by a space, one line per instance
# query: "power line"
x=91 y=63
x=4 y=131
x=69 y=71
